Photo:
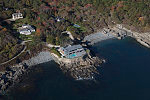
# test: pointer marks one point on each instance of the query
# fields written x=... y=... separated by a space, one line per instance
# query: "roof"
x=17 y=14
x=76 y=25
x=23 y=30
x=71 y=48
x=26 y=25
x=73 y=51
x=26 y=28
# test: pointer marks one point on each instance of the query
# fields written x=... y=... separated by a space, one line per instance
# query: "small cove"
x=125 y=76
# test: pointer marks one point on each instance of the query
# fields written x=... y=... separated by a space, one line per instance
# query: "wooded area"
x=90 y=15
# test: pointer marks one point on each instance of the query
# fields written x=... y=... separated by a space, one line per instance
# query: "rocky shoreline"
x=81 y=68
x=142 y=38
x=120 y=32
x=13 y=73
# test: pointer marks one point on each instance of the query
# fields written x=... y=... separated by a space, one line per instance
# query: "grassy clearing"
x=53 y=50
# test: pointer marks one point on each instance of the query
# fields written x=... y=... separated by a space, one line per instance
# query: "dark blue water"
x=125 y=76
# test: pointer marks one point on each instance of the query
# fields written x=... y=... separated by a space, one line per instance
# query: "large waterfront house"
x=16 y=16
x=26 y=29
x=72 y=51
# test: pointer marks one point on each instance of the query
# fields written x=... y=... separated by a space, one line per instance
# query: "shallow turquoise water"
x=125 y=76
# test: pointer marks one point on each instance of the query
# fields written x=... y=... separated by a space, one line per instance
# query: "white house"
x=17 y=16
x=26 y=29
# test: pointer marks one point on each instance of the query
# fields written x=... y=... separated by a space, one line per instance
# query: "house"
x=26 y=29
x=17 y=16
x=71 y=52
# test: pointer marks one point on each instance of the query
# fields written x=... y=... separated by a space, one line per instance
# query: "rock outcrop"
x=143 y=38
x=81 y=68
x=13 y=73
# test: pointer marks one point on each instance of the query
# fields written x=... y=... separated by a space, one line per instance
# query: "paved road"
x=23 y=43
x=14 y=57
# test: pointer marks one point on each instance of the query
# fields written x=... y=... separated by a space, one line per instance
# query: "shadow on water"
x=47 y=81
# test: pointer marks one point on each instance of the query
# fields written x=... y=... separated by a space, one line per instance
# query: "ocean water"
x=125 y=76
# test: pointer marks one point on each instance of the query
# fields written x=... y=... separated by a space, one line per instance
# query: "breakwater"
x=13 y=73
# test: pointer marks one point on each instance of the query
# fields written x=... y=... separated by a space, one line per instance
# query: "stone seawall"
x=13 y=73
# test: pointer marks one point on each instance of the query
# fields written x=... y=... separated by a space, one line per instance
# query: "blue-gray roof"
x=23 y=30
x=74 y=51
x=74 y=47
x=76 y=25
